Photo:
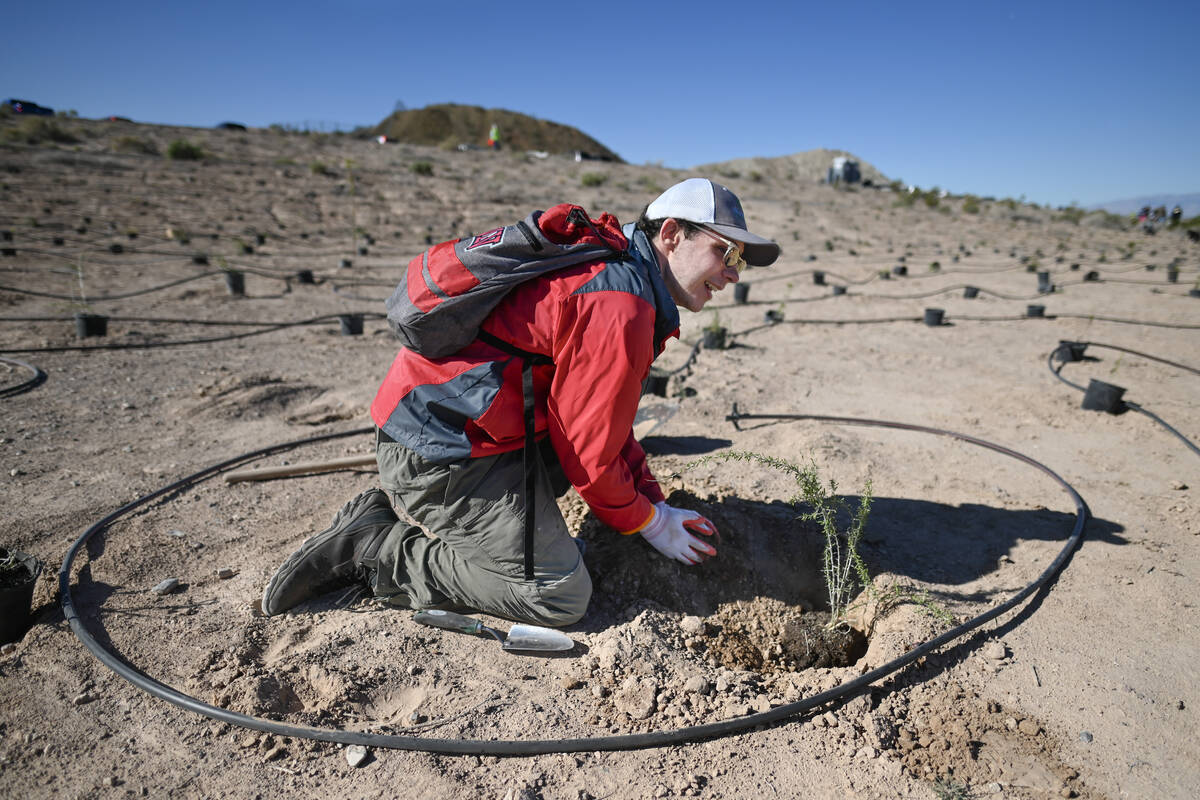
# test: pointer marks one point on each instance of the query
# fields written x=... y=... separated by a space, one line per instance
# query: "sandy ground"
x=1087 y=690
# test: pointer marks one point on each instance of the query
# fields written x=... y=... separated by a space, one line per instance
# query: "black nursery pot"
x=772 y=316
x=900 y=270
x=1101 y=396
x=741 y=293
x=351 y=324
x=235 y=282
x=305 y=276
x=1092 y=276
x=1035 y=311
x=818 y=277
x=656 y=383
x=1172 y=276
x=1044 y=284
x=837 y=290
x=90 y=325
x=1070 y=351
x=970 y=292
x=933 y=316
x=1193 y=292
x=345 y=263
x=714 y=338
x=16 y=596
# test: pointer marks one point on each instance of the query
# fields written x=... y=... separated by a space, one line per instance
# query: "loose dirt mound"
x=761 y=603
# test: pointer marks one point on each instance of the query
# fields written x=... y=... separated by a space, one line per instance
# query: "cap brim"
x=758 y=252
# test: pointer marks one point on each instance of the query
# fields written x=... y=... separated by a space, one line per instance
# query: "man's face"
x=694 y=268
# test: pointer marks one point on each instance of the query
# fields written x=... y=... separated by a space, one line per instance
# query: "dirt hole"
x=760 y=605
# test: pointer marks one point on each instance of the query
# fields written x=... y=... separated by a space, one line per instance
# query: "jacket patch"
x=491 y=237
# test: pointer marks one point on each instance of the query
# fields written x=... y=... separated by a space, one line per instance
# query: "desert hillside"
x=913 y=331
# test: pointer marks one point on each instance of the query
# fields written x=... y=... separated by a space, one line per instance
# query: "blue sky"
x=1059 y=102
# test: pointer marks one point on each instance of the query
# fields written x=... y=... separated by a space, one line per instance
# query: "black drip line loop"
x=542 y=746
x=39 y=377
x=1071 y=351
x=265 y=327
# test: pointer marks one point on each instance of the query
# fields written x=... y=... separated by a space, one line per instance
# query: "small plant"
x=970 y=205
x=934 y=266
x=829 y=245
x=183 y=150
x=593 y=179
x=422 y=168
x=82 y=303
x=950 y=789
x=319 y=168
x=842 y=566
x=135 y=145
x=12 y=570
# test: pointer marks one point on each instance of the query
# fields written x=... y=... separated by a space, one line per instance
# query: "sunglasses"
x=733 y=257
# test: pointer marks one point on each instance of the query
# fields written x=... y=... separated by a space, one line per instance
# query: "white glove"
x=669 y=532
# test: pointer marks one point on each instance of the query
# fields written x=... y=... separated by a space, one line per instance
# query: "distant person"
x=1176 y=216
x=1160 y=214
x=1144 y=214
x=450 y=530
x=494 y=137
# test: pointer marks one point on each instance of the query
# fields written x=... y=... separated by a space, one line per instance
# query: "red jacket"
x=602 y=324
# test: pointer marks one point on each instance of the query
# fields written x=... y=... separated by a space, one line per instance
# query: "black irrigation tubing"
x=1118 y=320
x=957 y=318
x=1057 y=372
x=39 y=377
x=102 y=298
x=180 y=343
x=498 y=747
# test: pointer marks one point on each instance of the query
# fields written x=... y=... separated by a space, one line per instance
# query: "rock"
x=1178 y=486
x=83 y=699
x=166 y=587
x=10 y=647
x=995 y=651
x=691 y=625
x=1029 y=727
x=830 y=719
x=225 y=573
x=1085 y=737
x=274 y=754
x=249 y=741
x=697 y=684
x=570 y=682
x=636 y=697
x=761 y=703
x=356 y=754
x=867 y=752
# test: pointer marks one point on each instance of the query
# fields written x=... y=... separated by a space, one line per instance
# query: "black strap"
x=530 y=457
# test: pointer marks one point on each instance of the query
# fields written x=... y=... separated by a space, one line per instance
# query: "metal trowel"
x=519 y=637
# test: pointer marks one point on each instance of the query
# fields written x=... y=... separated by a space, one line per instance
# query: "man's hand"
x=670 y=533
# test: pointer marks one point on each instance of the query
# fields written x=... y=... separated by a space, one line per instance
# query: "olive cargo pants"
x=460 y=542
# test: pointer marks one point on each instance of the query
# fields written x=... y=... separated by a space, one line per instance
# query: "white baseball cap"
x=712 y=205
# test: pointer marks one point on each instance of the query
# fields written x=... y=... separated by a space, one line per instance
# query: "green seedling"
x=841 y=565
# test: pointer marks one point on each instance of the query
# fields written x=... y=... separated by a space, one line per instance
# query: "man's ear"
x=671 y=234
